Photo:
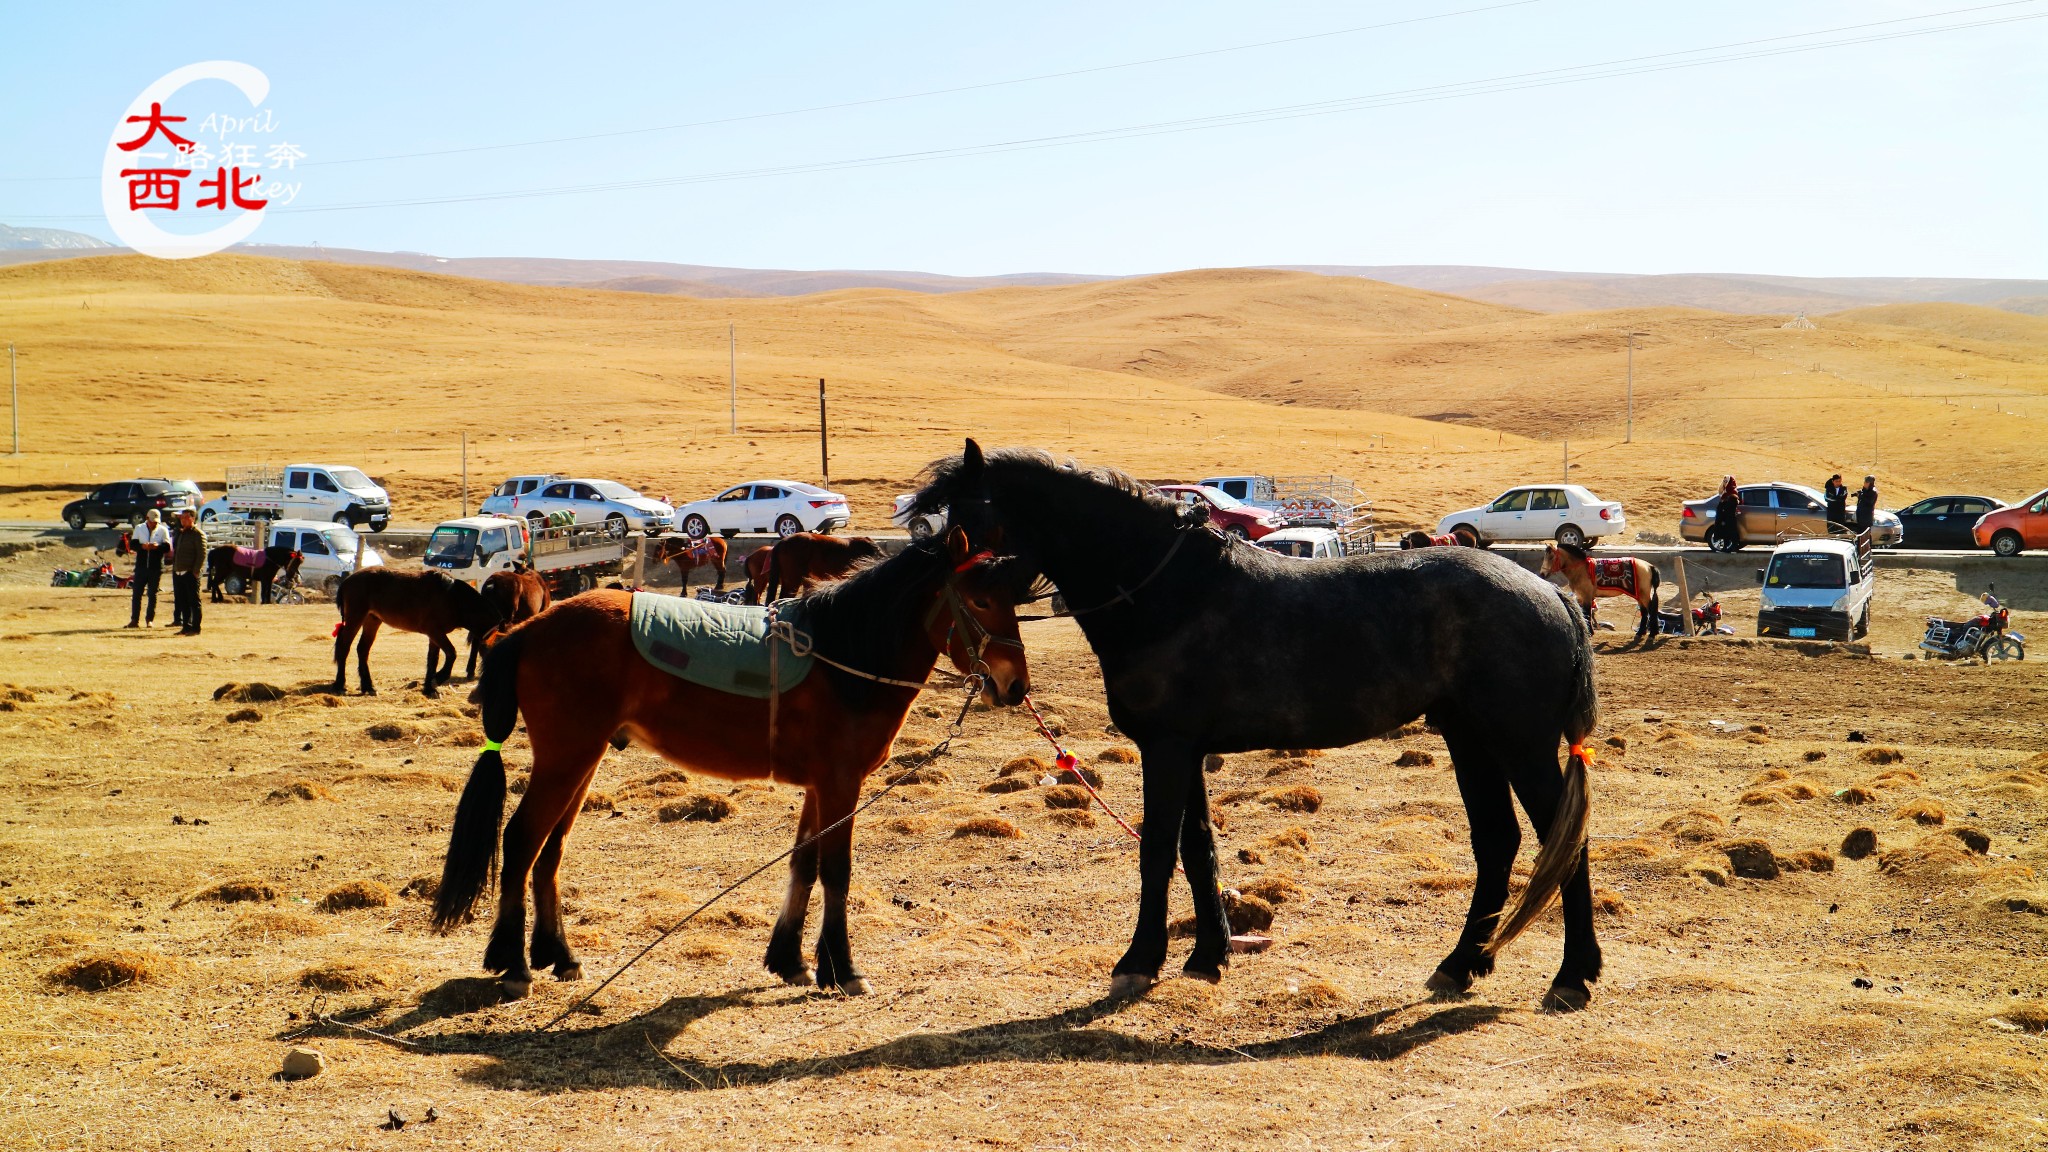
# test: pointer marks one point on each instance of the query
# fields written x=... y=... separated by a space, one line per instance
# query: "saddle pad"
x=249 y=557
x=1619 y=574
x=724 y=647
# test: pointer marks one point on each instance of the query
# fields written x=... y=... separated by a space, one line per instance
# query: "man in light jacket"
x=151 y=541
x=188 y=559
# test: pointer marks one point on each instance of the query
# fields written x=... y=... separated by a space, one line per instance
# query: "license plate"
x=1802 y=633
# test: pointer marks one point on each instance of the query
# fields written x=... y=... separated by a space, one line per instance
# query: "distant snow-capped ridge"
x=19 y=238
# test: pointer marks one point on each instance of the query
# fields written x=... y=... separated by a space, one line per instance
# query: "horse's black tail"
x=472 y=864
x=1564 y=844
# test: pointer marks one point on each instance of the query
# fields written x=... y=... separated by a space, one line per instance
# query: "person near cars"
x=188 y=560
x=1838 y=502
x=1866 y=504
x=150 y=540
x=1728 y=511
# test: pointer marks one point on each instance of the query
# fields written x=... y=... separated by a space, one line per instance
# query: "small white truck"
x=327 y=492
x=1308 y=502
x=1817 y=589
x=570 y=557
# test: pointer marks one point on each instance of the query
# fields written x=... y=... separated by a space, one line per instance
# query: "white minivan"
x=1817 y=589
x=329 y=551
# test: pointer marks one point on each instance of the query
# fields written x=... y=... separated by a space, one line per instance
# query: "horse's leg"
x=1198 y=856
x=446 y=648
x=550 y=944
x=369 y=637
x=1540 y=786
x=1496 y=838
x=835 y=868
x=343 y=637
x=1166 y=798
x=718 y=567
x=554 y=789
x=786 y=944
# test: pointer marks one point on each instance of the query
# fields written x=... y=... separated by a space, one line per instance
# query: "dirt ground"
x=230 y=865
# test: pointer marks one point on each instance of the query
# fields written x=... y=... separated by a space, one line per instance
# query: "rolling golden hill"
x=133 y=366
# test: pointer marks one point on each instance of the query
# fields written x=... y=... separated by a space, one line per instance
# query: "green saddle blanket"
x=724 y=647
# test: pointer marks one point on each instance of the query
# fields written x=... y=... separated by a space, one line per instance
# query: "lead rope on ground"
x=319 y=1018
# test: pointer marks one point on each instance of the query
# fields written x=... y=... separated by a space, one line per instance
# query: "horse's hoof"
x=1129 y=985
x=1442 y=983
x=858 y=986
x=568 y=972
x=1205 y=975
x=1565 y=998
x=514 y=989
x=801 y=978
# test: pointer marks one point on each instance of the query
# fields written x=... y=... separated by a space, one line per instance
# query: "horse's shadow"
x=631 y=1050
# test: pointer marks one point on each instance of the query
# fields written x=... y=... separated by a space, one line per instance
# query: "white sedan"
x=784 y=507
x=599 y=502
x=1566 y=513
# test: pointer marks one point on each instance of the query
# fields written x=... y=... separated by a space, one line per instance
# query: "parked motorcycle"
x=1984 y=637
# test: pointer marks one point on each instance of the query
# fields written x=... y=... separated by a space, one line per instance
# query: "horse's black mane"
x=941 y=477
x=859 y=621
x=1574 y=551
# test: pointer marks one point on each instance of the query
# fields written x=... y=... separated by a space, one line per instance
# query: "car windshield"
x=451 y=545
x=1806 y=570
x=1222 y=499
x=612 y=490
x=350 y=478
x=344 y=539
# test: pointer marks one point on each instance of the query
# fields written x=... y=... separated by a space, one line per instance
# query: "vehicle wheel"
x=920 y=528
x=615 y=526
x=2004 y=648
x=1238 y=531
x=696 y=527
x=1483 y=542
x=287 y=596
x=2007 y=543
x=1720 y=543
x=331 y=586
x=1573 y=535
x=235 y=585
x=1862 y=627
x=536 y=521
x=207 y=517
x=787 y=526
x=379 y=525
x=76 y=521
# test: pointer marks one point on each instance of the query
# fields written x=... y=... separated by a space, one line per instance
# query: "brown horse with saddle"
x=260 y=566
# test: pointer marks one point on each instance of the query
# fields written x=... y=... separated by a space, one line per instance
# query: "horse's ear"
x=957 y=544
x=972 y=463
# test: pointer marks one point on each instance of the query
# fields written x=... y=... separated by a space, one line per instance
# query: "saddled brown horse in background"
x=225 y=562
x=710 y=552
x=432 y=603
x=1460 y=536
x=757 y=565
x=1617 y=576
x=576 y=676
x=798 y=562
x=518 y=594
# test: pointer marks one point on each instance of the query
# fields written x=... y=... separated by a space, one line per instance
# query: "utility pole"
x=732 y=369
x=14 y=396
x=824 y=443
x=1630 y=438
x=465 y=474
x=1567 y=461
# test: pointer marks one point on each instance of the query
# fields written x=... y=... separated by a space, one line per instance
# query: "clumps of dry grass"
x=252 y=693
x=1751 y=859
x=732 y=918
x=1276 y=888
x=1713 y=870
x=242 y=716
x=1972 y=837
x=1925 y=811
x=1618 y=743
x=1414 y=758
x=404 y=778
x=1077 y=774
x=1621 y=850
x=1812 y=755
x=1411 y=728
x=1761 y=798
x=1934 y=856
x=104 y=971
x=275 y=924
x=922 y=774
x=1808 y=860
x=1299 y=798
x=1855 y=794
x=347 y=976
x=989 y=827
x=1860 y=842
x=298 y=790
x=1004 y=785
x=595 y=801
x=1610 y=903
x=1894 y=778
x=1067 y=796
x=1880 y=754
x=1297 y=839
x=465 y=738
x=1784 y=790
x=1029 y=767
x=239 y=891
x=1117 y=754
x=906 y=825
x=421 y=888
x=1309 y=995
x=1693 y=826
x=14 y=694
x=1072 y=818
x=2028 y=1017
x=354 y=895
x=1674 y=737
x=700 y=807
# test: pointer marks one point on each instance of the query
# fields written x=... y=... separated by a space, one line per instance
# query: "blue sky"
x=1915 y=156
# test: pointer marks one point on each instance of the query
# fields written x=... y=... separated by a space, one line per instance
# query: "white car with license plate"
x=605 y=502
x=784 y=507
x=1566 y=513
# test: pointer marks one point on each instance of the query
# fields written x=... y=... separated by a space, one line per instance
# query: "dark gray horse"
x=1208 y=645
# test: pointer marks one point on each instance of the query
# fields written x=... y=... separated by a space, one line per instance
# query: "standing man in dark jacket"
x=1838 y=503
x=1866 y=504
x=188 y=559
x=151 y=541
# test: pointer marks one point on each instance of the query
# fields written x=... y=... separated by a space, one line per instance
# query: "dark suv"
x=127 y=501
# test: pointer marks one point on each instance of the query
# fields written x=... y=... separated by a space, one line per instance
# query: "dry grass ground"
x=1433 y=402
x=157 y=852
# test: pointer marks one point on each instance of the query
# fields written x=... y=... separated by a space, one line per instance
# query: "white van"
x=1817 y=589
x=329 y=551
x=327 y=492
